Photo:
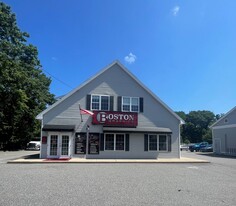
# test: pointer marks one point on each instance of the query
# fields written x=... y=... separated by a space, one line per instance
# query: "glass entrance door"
x=59 y=145
x=54 y=145
x=64 y=145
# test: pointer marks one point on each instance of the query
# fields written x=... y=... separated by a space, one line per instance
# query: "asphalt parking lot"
x=119 y=184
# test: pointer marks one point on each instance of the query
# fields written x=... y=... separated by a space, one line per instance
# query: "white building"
x=224 y=134
x=129 y=120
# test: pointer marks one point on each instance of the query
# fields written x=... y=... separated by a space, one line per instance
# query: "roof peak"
x=40 y=116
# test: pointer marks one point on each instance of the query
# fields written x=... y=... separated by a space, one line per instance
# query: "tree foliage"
x=24 y=89
x=196 y=127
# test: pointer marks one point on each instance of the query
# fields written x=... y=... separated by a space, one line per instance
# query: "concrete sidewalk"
x=83 y=160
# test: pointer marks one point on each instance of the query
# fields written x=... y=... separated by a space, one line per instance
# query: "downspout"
x=41 y=135
x=179 y=141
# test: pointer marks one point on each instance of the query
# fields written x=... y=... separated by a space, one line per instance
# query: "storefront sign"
x=44 y=139
x=93 y=143
x=128 y=119
x=80 y=144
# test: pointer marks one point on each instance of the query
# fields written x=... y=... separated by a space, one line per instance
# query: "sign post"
x=87 y=140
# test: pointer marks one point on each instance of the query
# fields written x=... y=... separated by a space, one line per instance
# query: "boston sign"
x=125 y=119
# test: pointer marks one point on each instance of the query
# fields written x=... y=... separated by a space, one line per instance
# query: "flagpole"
x=80 y=113
x=87 y=112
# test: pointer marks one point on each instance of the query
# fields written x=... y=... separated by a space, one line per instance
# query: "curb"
x=95 y=161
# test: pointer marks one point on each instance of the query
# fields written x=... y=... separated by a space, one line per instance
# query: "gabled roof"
x=227 y=114
x=40 y=116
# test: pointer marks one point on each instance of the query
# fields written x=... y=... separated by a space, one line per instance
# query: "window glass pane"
x=120 y=142
x=126 y=100
x=95 y=98
x=95 y=102
x=134 y=108
x=152 y=142
x=162 y=143
x=53 y=145
x=109 y=144
x=65 y=145
x=105 y=103
x=135 y=101
x=135 y=104
x=126 y=108
x=126 y=104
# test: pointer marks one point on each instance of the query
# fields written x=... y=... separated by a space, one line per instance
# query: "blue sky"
x=184 y=51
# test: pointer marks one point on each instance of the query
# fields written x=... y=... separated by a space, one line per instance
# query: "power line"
x=57 y=79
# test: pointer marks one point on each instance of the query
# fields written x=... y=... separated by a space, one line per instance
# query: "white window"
x=100 y=102
x=115 y=142
x=157 y=143
x=130 y=104
x=152 y=142
x=163 y=143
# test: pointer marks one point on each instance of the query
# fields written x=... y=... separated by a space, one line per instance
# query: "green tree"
x=207 y=137
x=24 y=89
x=196 y=127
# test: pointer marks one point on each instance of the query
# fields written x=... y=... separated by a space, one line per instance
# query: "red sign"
x=44 y=139
x=128 y=119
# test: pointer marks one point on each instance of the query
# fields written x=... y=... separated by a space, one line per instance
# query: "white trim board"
x=225 y=126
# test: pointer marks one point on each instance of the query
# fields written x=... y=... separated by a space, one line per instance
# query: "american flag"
x=84 y=111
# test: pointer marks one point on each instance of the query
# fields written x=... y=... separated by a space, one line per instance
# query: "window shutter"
x=169 y=143
x=119 y=99
x=141 y=104
x=101 y=142
x=126 y=142
x=111 y=103
x=145 y=142
x=88 y=102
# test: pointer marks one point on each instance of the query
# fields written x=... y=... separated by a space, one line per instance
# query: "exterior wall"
x=43 y=148
x=136 y=150
x=227 y=139
x=116 y=82
x=227 y=119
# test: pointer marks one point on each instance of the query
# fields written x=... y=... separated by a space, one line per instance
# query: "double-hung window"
x=130 y=104
x=115 y=142
x=163 y=143
x=152 y=142
x=100 y=102
x=157 y=143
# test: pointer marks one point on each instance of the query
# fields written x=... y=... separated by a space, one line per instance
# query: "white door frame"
x=59 y=144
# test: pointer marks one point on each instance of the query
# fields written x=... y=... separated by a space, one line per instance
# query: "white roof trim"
x=223 y=117
x=138 y=129
x=40 y=116
x=225 y=126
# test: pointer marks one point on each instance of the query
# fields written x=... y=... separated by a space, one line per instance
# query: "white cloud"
x=175 y=10
x=131 y=58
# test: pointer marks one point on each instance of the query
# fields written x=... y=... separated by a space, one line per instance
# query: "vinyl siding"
x=115 y=82
x=227 y=137
x=231 y=119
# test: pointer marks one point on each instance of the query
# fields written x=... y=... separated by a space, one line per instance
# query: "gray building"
x=224 y=134
x=128 y=121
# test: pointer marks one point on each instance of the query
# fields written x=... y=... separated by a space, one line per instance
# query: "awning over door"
x=156 y=130
x=59 y=128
